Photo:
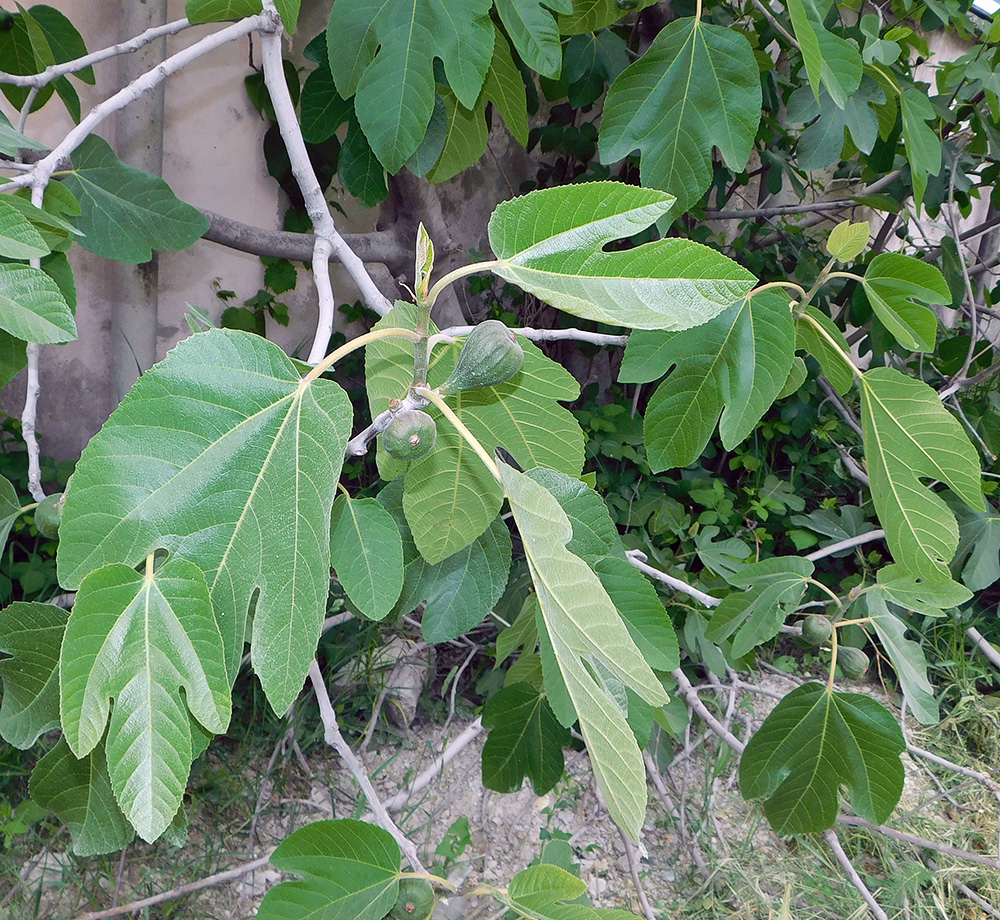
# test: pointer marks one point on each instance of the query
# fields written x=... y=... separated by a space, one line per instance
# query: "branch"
x=847 y=543
x=686 y=690
x=777 y=210
x=851 y=821
x=218 y=879
x=549 y=335
x=42 y=171
x=379 y=246
x=852 y=874
x=54 y=71
x=638 y=558
x=336 y=740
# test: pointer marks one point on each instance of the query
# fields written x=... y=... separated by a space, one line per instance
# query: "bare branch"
x=833 y=841
x=845 y=544
x=336 y=740
x=923 y=843
x=219 y=878
x=638 y=559
x=632 y=856
x=686 y=690
x=550 y=335
x=55 y=71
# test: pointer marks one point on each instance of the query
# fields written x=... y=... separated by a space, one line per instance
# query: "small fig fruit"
x=48 y=515
x=410 y=435
x=853 y=662
x=416 y=900
x=491 y=355
x=816 y=629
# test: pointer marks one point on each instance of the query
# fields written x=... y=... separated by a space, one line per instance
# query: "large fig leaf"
x=893 y=283
x=32 y=634
x=383 y=53
x=910 y=436
x=350 y=869
x=127 y=213
x=735 y=364
x=78 y=792
x=552 y=244
x=815 y=741
x=586 y=636
x=697 y=85
x=221 y=454
x=141 y=640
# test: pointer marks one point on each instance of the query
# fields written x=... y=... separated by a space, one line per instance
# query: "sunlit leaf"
x=150 y=643
x=532 y=27
x=552 y=244
x=32 y=307
x=223 y=456
x=897 y=286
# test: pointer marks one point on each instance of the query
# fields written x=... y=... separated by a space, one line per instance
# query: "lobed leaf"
x=383 y=54
x=222 y=455
x=525 y=739
x=552 y=244
x=140 y=640
x=893 y=283
x=697 y=86
x=814 y=741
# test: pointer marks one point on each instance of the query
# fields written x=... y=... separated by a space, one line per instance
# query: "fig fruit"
x=410 y=435
x=416 y=900
x=816 y=629
x=853 y=662
x=491 y=355
x=48 y=515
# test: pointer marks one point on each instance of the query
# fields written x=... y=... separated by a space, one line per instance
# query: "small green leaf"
x=909 y=435
x=32 y=307
x=359 y=169
x=525 y=739
x=32 y=634
x=907 y=657
x=367 y=554
x=582 y=627
x=323 y=110
x=79 y=793
x=220 y=10
x=460 y=591
x=350 y=869
x=928 y=597
x=10 y=508
x=893 y=282
x=923 y=146
x=532 y=27
x=127 y=213
x=848 y=240
x=697 y=86
x=17 y=56
x=807 y=339
x=813 y=742
x=831 y=61
x=504 y=87
x=552 y=244
x=594 y=15
x=13 y=359
x=772 y=589
x=464 y=139
x=390 y=69
x=822 y=142
x=18 y=237
x=978 y=554
x=548 y=892
x=140 y=640
x=13 y=142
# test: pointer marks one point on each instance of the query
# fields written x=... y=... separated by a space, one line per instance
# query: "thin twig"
x=638 y=559
x=54 y=71
x=428 y=776
x=984 y=647
x=549 y=335
x=687 y=691
x=219 y=878
x=922 y=842
x=847 y=543
x=633 y=867
x=967 y=891
x=852 y=875
x=336 y=740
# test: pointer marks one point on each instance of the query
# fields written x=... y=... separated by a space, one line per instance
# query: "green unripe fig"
x=416 y=900
x=410 y=435
x=491 y=354
x=853 y=662
x=48 y=515
x=816 y=629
